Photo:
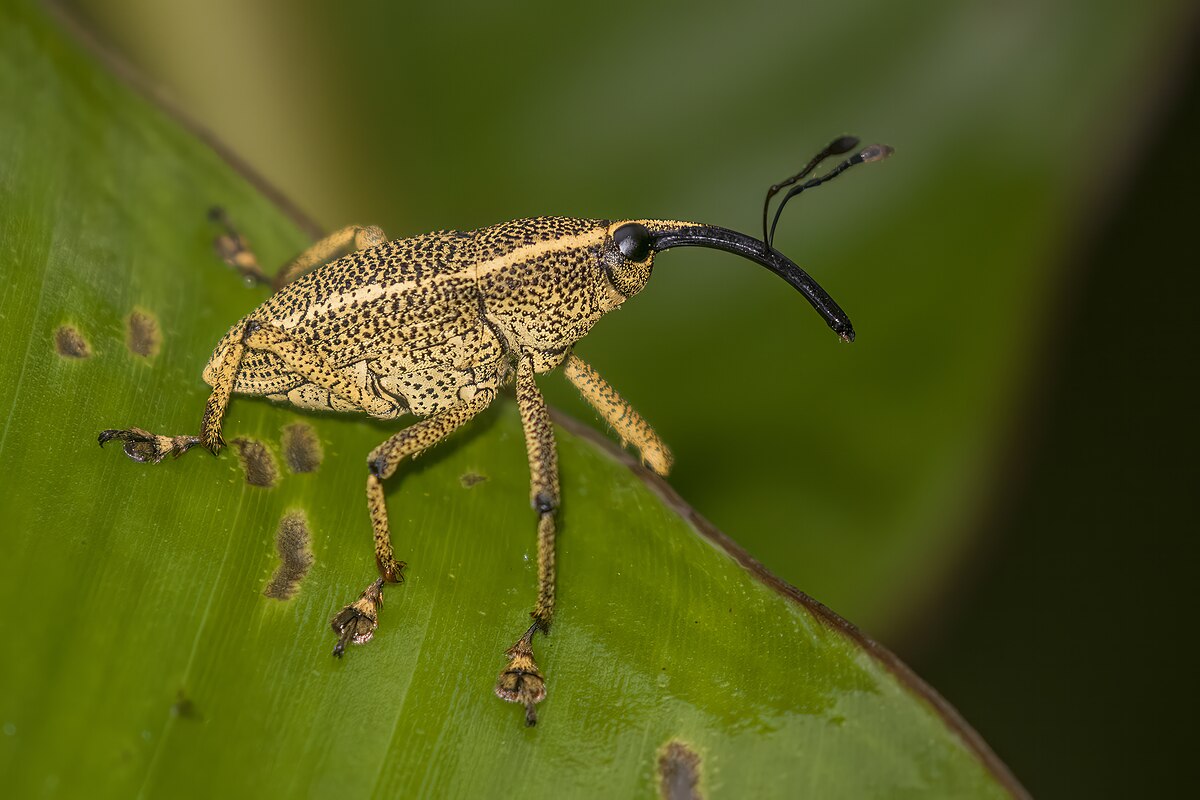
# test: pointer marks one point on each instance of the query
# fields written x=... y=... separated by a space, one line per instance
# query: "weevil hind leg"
x=310 y=362
x=235 y=251
x=146 y=447
x=382 y=464
x=521 y=681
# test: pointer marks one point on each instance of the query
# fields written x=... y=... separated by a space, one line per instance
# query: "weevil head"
x=627 y=253
x=631 y=245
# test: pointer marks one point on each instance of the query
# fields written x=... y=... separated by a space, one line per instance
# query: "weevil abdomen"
x=400 y=320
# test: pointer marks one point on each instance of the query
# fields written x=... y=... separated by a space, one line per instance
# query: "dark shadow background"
x=1071 y=648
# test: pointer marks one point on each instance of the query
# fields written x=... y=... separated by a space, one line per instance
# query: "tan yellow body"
x=423 y=324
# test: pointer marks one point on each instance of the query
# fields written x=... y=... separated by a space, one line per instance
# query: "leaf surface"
x=141 y=655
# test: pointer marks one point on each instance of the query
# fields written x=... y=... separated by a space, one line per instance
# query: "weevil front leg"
x=147 y=447
x=235 y=250
x=621 y=416
x=521 y=681
x=356 y=622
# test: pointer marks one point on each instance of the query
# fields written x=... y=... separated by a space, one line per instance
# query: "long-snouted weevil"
x=435 y=325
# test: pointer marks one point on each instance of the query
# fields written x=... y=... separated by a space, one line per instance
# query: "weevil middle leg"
x=356 y=622
x=410 y=443
x=543 y=485
x=521 y=681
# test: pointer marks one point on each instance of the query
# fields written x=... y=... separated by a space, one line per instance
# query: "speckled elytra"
x=435 y=325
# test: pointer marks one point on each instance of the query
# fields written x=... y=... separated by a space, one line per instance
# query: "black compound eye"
x=633 y=240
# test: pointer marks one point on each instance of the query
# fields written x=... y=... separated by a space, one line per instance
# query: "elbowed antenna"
x=750 y=248
x=875 y=152
x=764 y=252
x=842 y=144
x=636 y=242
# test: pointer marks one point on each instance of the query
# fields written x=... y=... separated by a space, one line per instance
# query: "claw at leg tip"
x=146 y=447
x=522 y=681
x=356 y=623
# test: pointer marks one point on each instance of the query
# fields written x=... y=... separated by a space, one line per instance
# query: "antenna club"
x=842 y=145
x=876 y=152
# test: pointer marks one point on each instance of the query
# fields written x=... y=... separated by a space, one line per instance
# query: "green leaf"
x=142 y=655
x=1013 y=126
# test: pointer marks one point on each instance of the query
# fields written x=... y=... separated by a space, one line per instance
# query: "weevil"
x=434 y=326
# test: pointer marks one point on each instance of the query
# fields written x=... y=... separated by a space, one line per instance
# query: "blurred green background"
x=991 y=480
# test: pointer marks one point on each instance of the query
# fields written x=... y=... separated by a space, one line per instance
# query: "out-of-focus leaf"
x=141 y=656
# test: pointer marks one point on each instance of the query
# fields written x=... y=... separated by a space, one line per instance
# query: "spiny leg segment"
x=621 y=416
x=543 y=485
x=521 y=681
x=356 y=622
